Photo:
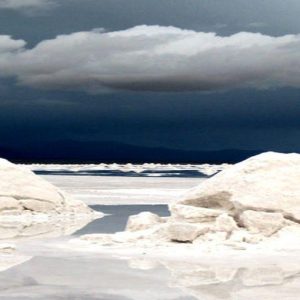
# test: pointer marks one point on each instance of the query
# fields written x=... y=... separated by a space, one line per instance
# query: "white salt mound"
x=256 y=201
x=24 y=193
x=267 y=182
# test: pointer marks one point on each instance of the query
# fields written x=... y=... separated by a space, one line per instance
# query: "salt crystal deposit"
x=22 y=192
x=255 y=202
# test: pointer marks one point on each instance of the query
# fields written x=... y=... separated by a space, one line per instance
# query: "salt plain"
x=115 y=190
x=52 y=272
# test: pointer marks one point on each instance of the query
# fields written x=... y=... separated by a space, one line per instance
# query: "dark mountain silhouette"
x=89 y=152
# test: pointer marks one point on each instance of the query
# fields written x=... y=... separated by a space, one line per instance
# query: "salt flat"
x=53 y=271
x=57 y=273
x=117 y=190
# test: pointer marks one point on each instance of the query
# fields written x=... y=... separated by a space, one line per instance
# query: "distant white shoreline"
x=152 y=168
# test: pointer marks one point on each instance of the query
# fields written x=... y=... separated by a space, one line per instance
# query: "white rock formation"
x=185 y=232
x=225 y=223
x=267 y=182
x=262 y=222
x=143 y=221
x=22 y=193
x=253 y=202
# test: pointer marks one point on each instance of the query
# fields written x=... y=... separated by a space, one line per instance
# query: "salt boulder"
x=262 y=222
x=143 y=221
x=24 y=193
x=266 y=182
x=225 y=223
x=185 y=232
x=193 y=214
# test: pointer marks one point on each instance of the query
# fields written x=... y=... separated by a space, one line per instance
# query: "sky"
x=194 y=75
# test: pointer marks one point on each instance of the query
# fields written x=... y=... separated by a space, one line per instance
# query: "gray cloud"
x=154 y=58
x=25 y=4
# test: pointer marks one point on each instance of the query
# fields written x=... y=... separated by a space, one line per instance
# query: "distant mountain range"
x=95 y=152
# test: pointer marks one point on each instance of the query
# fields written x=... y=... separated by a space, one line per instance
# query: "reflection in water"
x=85 y=278
x=243 y=281
x=37 y=229
x=61 y=274
x=30 y=230
x=9 y=260
x=116 y=217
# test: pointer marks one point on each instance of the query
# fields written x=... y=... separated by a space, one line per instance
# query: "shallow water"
x=55 y=273
x=84 y=277
x=117 y=216
x=52 y=274
x=61 y=274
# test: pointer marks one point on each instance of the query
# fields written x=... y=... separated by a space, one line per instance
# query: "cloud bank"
x=153 y=58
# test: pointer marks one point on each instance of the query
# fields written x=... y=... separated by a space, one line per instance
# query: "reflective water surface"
x=45 y=271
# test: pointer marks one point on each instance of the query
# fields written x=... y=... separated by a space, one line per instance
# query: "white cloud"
x=154 y=58
x=25 y=4
x=8 y=45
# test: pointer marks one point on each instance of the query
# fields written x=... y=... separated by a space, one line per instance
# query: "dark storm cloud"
x=237 y=119
x=154 y=58
x=45 y=78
